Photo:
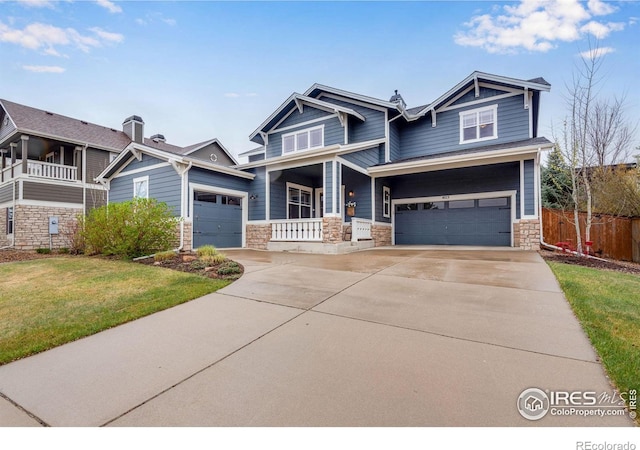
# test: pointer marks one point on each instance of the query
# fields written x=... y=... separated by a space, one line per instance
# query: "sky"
x=195 y=70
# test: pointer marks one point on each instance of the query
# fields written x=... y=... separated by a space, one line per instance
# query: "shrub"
x=198 y=265
x=63 y=251
x=43 y=251
x=129 y=229
x=213 y=260
x=206 y=250
x=229 y=268
x=164 y=256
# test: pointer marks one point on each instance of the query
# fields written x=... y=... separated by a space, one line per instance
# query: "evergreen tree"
x=556 y=181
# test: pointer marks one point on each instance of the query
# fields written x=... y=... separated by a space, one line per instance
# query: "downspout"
x=184 y=199
x=84 y=179
x=542 y=242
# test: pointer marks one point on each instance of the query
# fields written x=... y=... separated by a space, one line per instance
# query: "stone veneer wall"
x=31 y=226
x=526 y=234
x=331 y=230
x=5 y=239
x=381 y=235
x=258 y=236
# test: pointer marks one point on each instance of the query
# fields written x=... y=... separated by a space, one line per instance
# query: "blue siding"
x=363 y=158
x=258 y=157
x=360 y=184
x=394 y=141
x=308 y=113
x=420 y=139
x=529 y=188
x=359 y=131
x=495 y=177
x=215 y=179
x=333 y=134
x=484 y=93
x=310 y=176
x=164 y=186
x=146 y=162
x=328 y=186
x=257 y=188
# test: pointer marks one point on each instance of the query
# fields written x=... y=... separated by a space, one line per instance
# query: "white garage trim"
x=439 y=198
x=193 y=187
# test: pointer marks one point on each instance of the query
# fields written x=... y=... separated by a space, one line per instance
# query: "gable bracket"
x=299 y=105
x=179 y=167
x=476 y=85
x=265 y=137
x=526 y=98
x=433 y=117
x=342 y=117
x=137 y=153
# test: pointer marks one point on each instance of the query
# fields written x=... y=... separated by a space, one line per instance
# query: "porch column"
x=3 y=164
x=14 y=150
x=77 y=159
x=25 y=153
x=332 y=220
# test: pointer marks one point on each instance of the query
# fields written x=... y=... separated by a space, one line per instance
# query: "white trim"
x=317 y=193
x=373 y=199
x=144 y=179
x=531 y=116
x=140 y=170
x=222 y=191
x=334 y=182
x=301 y=188
x=258 y=222
x=521 y=188
x=295 y=134
x=324 y=180
x=478 y=102
x=349 y=97
x=48 y=204
x=535 y=190
x=387 y=147
x=267 y=193
x=471 y=196
x=352 y=166
x=478 y=112
x=381 y=224
x=509 y=92
x=303 y=124
x=388 y=214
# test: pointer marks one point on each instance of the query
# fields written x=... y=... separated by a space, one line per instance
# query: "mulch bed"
x=188 y=262
x=567 y=258
x=10 y=255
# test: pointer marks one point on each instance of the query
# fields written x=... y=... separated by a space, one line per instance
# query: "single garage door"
x=217 y=220
x=456 y=222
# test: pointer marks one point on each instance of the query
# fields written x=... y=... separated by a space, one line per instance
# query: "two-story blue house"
x=337 y=171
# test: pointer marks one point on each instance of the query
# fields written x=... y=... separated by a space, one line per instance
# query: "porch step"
x=319 y=247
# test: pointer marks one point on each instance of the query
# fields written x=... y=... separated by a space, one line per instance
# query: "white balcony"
x=303 y=230
x=52 y=171
x=360 y=229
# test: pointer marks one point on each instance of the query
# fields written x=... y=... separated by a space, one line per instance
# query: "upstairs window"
x=141 y=187
x=479 y=125
x=303 y=140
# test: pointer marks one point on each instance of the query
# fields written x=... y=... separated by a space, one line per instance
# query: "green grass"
x=48 y=302
x=608 y=307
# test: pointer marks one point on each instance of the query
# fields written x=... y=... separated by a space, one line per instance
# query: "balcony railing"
x=360 y=229
x=297 y=230
x=52 y=171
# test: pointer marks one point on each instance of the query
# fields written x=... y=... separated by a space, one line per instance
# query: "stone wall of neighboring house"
x=258 y=236
x=381 y=234
x=5 y=239
x=526 y=234
x=31 y=226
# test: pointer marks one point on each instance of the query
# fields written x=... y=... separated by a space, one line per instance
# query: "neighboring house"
x=48 y=163
x=198 y=182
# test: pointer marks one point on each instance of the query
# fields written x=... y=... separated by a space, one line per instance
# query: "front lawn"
x=608 y=306
x=48 y=302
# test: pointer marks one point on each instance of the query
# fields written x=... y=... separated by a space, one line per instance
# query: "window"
x=386 y=202
x=303 y=140
x=206 y=197
x=459 y=204
x=488 y=202
x=407 y=207
x=298 y=201
x=10 y=220
x=479 y=125
x=141 y=187
x=433 y=205
x=229 y=200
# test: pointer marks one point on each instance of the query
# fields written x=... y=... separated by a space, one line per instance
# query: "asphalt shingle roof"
x=39 y=121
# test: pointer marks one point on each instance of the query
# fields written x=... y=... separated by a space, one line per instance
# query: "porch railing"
x=360 y=229
x=296 y=230
x=52 y=171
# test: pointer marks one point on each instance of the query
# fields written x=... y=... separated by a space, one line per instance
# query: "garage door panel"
x=216 y=222
x=485 y=222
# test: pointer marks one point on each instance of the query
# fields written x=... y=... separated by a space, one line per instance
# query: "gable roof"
x=296 y=100
x=47 y=124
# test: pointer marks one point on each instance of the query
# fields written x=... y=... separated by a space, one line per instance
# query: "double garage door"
x=217 y=220
x=484 y=222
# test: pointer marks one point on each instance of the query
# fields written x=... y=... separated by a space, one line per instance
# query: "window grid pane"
x=316 y=138
x=288 y=144
x=303 y=140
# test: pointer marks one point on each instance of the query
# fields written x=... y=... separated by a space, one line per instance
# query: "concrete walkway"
x=384 y=337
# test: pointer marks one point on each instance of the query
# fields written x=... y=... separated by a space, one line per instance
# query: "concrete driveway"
x=384 y=337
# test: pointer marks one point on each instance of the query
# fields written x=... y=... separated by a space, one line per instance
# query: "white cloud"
x=44 y=69
x=36 y=3
x=107 y=36
x=109 y=6
x=596 y=53
x=232 y=95
x=155 y=17
x=170 y=22
x=46 y=38
x=252 y=94
x=536 y=25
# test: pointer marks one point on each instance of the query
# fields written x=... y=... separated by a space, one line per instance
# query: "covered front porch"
x=40 y=158
x=324 y=207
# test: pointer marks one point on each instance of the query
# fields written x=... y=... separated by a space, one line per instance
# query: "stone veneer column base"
x=526 y=234
x=381 y=235
x=331 y=230
x=258 y=236
x=187 y=243
x=31 y=226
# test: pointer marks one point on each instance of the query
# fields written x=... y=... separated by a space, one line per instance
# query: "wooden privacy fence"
x=612 y=237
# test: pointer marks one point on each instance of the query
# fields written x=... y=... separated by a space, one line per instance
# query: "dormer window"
x=303 y=140
x=479 y=124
